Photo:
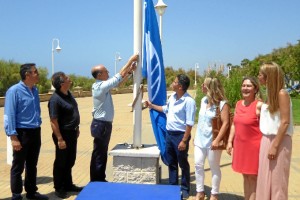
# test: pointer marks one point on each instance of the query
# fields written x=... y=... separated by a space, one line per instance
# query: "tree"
x=9 y=75
x=245 y=62
x=44 y=83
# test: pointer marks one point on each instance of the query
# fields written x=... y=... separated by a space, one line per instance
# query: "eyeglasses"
x=34 y=72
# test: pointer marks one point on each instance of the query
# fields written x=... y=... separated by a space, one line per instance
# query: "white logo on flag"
x=152 y=57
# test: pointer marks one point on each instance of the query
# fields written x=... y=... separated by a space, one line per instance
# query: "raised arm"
x=130 y=66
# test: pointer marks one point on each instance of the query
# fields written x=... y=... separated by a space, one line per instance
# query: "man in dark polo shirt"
x=65 y=119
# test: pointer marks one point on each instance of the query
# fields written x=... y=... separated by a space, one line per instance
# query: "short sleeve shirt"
x=203 y=136
x=65 y=109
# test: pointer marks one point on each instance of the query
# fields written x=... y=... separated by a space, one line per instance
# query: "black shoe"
x=37 y=196
x=185 y=194
x=61 y=194
x=16 y=197
x=74 y=188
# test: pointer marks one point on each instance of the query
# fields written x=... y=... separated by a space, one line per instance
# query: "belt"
x=29 y=129
x=70 y=129
x=99 y=120
x=175 y=132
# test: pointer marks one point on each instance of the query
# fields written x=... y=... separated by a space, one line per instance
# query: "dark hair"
x=57 y=79
x=184 y=81
x=95 y=73
x=254 y=82
x=25 y=68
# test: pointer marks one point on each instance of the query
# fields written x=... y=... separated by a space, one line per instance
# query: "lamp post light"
x=196 y=67
x=229 y=69
x=160 y=7
x=58 y=49
x=117 y=59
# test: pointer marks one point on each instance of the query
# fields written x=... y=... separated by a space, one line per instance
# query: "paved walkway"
x=231 y=184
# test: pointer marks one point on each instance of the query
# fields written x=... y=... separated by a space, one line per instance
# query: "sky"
x=91 y=32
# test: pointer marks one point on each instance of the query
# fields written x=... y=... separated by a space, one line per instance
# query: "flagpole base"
x=136 y=165
x=132 y=146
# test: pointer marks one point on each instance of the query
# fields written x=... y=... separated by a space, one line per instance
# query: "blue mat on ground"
x=112 y=191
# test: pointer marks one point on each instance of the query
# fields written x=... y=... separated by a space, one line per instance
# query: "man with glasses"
x=180 y=111
x=22 y=121
x=64 y=120
x=103 y=114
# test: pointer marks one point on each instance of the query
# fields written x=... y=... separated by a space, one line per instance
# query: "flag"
x=153 y=70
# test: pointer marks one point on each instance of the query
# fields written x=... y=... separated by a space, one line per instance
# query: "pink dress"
x=246 y=139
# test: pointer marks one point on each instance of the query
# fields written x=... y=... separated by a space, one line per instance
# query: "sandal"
x=200 y=196
x=213 y=197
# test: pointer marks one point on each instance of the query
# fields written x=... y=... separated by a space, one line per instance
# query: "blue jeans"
x=175 y=157
x=101 y=131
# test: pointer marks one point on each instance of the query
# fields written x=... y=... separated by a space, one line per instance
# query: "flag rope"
x=141 y=90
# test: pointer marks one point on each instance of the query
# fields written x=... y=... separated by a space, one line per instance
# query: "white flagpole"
x=137 y=38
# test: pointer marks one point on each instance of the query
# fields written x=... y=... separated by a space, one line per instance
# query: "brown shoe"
x=200 y=196
x=213 y=197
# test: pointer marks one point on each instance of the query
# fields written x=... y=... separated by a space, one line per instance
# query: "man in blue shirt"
x=180 y=111
x=22 y=123
x=103 y=114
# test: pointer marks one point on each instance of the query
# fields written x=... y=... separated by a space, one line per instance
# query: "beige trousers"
x=273 y=175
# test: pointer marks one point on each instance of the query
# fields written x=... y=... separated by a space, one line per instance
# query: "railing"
x=78 y=94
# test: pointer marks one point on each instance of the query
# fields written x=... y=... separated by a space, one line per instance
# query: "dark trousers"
x=101 y=131
x=27 y=157
x=175 y=157
x=64 y=160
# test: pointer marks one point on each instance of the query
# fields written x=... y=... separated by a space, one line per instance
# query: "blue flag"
x=153 y=70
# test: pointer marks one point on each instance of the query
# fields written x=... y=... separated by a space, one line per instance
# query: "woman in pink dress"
x=245 y=136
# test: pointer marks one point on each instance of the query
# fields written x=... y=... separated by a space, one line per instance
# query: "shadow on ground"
x=207 y=189
x=44 y=179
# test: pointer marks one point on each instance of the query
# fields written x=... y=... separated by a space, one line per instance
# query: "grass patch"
x=296 y=111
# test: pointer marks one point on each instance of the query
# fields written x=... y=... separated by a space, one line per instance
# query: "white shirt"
x=203 y=136
x=180 y=113
x=103 y=105
x=269 y=123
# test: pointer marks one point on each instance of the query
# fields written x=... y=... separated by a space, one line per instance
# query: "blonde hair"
x=274 y=82
x=215 y=91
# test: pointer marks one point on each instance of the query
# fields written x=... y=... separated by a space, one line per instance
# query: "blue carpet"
x=113 y=191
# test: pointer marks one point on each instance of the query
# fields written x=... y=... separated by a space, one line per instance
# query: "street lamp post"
x=196 y=67
x=117 y=59
x=229 y=69
x=160 y=8
x=58 y=49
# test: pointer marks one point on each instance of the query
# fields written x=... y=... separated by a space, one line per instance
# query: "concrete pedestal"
x=136 y=165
